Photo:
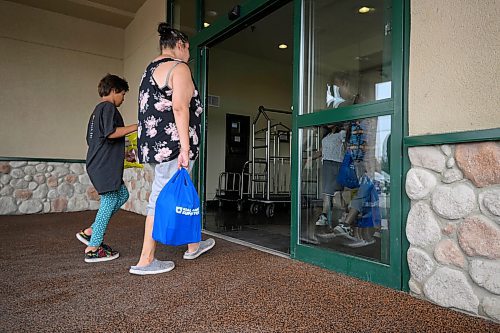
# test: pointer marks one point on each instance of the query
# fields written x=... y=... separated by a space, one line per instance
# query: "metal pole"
x=268 y=171
x=253 y=159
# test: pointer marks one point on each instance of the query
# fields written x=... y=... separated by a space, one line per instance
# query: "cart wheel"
x=254 y=208
x=239 y=206
x=270 y=210
x=220 y=203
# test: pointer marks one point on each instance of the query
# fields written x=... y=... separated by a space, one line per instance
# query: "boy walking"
x=106 y=152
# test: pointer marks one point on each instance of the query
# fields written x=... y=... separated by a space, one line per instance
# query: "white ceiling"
x=117 y=13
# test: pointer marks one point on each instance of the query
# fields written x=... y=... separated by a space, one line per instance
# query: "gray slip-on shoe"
x=155 y=267
x=205 y=245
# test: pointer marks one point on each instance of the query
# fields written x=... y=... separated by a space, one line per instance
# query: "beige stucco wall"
x=50 y=65
x=141 y=46
x=454 y=81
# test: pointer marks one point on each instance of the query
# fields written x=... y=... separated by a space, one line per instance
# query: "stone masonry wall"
x=47 y=187
x=454 y=226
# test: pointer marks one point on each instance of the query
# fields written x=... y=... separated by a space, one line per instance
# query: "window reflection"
x=345 y=187
x=348 y=56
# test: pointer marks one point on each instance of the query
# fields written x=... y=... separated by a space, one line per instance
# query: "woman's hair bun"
x=164 y=29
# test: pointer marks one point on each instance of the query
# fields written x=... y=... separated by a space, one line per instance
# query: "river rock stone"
x=422 y=227
x=18 y=164
x=420 y=263
x=31 y=206
x=22 y=194
x=59 y=205
x=71 y=178
x=452 y=175
x=7 y=190
x=450 y=288
x=450 y=163
x=4 y=168
x=480 y=162
x=453 y=201
x=41 y=192
x=79 y=188
x=46 y=207
x=76 y=168
x=414 y=287
x=491 y=306
x=446 y=149
x=39 y=178
x=92 y=193
x=5 y=179
x=419 y=183
x=489 y=202
x=30 y=170
x=17 y=173
x=84 y=179
x=52 y=194
x=427 y=157
x=78 y=203
x=52 y=181
x=60 y=171
x=447 y=252
x=66 y=190
x=19 y=183
x=479 y=237
x=486 y=274
x=41 y=167
x=7 y=206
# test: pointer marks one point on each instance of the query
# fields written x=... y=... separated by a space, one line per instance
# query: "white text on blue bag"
x=187 y=211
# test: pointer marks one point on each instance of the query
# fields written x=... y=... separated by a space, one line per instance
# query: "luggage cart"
x=269 y=176
x=310 y=185
x=228 y=188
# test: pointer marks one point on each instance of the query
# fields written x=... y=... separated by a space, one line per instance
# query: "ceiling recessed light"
x=283 y=46
x=206 y=24
x=365 y=10
x=211 y=13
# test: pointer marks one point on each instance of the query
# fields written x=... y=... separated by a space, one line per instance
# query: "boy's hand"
x=183 y=159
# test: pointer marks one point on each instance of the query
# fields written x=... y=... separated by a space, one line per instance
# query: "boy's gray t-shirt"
x=105 y=156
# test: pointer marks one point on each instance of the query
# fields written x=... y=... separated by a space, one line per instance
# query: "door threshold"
x=247 y=244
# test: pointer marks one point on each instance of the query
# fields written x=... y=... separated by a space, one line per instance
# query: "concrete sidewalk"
x=47 y=287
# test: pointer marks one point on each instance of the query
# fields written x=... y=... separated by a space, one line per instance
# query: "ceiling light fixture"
x=365 y=10
x=206 y=24
x=283 y=46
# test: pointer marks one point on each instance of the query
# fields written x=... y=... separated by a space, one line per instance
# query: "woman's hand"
x=183 y=159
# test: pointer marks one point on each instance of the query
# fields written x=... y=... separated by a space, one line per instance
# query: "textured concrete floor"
x=45 y=286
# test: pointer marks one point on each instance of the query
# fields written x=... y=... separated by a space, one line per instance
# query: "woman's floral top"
x=157 y=136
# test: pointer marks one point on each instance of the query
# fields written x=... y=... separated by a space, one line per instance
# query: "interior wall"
x=258 y=82
x=50 y=65
x=454 y=66
x=141 y=47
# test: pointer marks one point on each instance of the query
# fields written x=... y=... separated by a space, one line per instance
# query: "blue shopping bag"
x=177 y=213
x=347 y=173
x=370 y=214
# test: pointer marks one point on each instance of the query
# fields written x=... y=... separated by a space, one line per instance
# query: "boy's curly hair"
x=111 y=82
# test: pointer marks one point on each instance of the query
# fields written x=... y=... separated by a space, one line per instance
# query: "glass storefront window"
x=184 y=16
x=345 y=187
x=215 y=9
x=347 y=52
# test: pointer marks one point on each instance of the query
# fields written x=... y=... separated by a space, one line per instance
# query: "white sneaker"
x=322 y=220
x=360 y=243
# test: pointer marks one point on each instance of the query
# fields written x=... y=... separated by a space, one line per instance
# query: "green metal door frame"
x=386 y=274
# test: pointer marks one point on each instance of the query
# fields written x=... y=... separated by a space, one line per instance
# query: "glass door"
x=348 y=142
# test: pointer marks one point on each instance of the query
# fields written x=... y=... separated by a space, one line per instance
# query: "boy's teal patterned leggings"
x=110 y=203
